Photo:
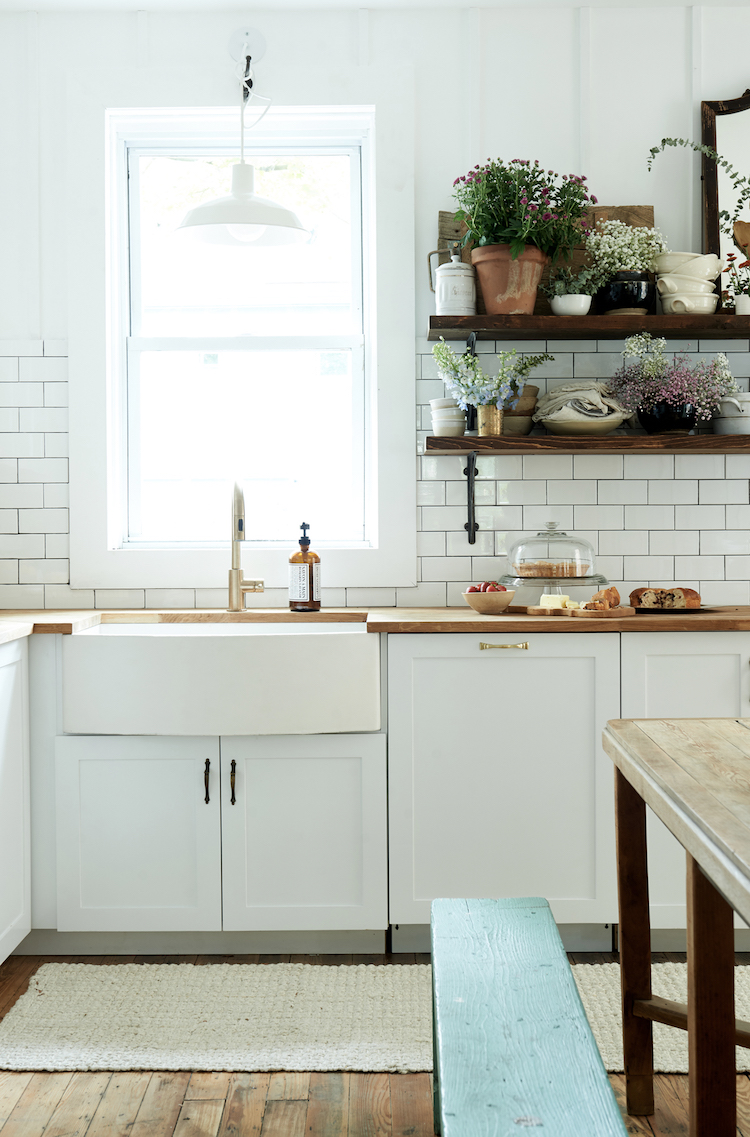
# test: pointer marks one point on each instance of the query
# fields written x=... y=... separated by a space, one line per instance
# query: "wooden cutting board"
x=607 y=614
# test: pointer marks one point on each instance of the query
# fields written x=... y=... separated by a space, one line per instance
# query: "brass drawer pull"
x=485 y=647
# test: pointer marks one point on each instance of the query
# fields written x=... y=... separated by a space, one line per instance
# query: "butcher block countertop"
x=15 y=624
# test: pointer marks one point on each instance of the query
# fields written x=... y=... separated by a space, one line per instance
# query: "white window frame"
x=96 y=346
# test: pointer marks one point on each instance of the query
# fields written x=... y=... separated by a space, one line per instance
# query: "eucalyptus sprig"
x=740 y=183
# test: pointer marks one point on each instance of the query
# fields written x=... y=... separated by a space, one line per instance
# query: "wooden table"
x=695 y=775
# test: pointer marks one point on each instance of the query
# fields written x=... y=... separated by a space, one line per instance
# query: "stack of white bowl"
x=448 y=420
x=685 y=282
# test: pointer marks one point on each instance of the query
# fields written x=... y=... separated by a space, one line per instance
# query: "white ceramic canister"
x=742 y=305
x=734 y=415
x=455 y=288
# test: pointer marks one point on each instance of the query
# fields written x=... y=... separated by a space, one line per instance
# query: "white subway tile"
x=8 y=370
x=737 y=517
x=599 y=517
x=521 y=493
x=737 y=568
x=430 y=389
x=23 y=545
x=596 y=365
x=119 y=598
x=561 y=367
x=64 y=597
x=700 y=517
x=269 y=598
x=56 y=445
x=371 y=597
x=44 y=418
x=22 y=445
x=9 y=418
x=550 y=466
x=623 y=491
x=500 y=516
x=21 y=395
x=431 y=544
x=722 y=541
x=55 y=347
x=597 y=466
x=211 y=598
x=504 y=540
x=21 y=596
x=427 y=595
x=649 y=466
x=731 y=492
x=704 y=568
x=727 y=346
x=445 y=568
x=443 y=517
x=682 y=492
x=8 y=572
x=329 y=598
x=55 y=395
x=652 y=516
x=646 y=568
x=673 y=542
x=724 y=591
x=699 y=466
x=431 y=493
x=613 y=543
x=440 y=467
x=500 y=467
x=170 y=598
x=43 y=521
x=457 y=544
x=56 y=496
x=21 y=347
x=429 y=367
x=8 y=469
x=43 y=470
x=43 y=572
x=487 y=568
x=739 y=362
x=570 y=492
x=533 y=347
x=455 y=493
x=535 y=517
x=738 y=465
x=611 y=567
x=571 y=345
x=454 y=590
x=8 y=520
x=57 y=545
x=43 y=370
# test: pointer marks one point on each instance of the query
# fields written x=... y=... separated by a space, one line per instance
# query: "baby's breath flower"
x=654 y=378
x=617 y=247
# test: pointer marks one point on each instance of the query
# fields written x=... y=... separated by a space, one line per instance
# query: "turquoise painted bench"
x=513 y=1047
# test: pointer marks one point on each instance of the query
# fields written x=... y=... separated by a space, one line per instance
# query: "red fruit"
x=501 y=588
x=472 y=588
x=492 y=588
x=484 y=586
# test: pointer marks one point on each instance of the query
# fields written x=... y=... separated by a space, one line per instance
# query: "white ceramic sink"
x=222 y=678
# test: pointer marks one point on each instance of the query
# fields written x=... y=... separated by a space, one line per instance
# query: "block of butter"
x=550 y=600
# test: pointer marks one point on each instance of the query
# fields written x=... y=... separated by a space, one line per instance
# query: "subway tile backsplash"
x=652 y=518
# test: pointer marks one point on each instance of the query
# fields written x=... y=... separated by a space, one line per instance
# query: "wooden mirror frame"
x=709 y=173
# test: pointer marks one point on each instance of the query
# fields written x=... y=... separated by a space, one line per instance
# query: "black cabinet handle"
x=205 y=779
x=231 y=781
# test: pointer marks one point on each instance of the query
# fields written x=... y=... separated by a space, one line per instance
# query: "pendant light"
x=244 y=218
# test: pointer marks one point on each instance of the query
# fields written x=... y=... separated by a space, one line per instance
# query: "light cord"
x=244 y=74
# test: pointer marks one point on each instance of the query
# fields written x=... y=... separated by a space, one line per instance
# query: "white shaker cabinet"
x=681 y=675
x=498 y=784
x=15 y=901
x=304 y=842
x=138 y=845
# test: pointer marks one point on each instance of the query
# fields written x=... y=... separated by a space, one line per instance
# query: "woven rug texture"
x=599 y=987
x=247 y=1017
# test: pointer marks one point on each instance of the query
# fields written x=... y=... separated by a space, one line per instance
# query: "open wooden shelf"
x=721 y=326
x=609 y=444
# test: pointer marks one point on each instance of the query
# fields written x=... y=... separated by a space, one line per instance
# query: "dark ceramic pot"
x=663 y=417
x=626 y=293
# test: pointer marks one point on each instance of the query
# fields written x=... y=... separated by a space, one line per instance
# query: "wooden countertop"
x=15 y=624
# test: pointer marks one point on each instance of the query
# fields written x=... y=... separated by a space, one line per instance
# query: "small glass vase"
x=663 y=418
x=490 y=420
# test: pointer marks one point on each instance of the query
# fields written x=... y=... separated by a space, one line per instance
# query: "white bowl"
x=673 y=282
x=594 y=426
x=671 y=262
x=692 y=302
x=448 y=429
x=707 y=267
x=570 y=305
x=444 y=404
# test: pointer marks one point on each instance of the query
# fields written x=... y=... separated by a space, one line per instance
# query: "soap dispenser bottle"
x=304 y=576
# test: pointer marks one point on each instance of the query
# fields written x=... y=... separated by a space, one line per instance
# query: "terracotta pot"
x=508 y=286
x=490 y=419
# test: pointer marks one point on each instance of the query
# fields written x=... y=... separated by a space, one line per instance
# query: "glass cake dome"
x=552 y=561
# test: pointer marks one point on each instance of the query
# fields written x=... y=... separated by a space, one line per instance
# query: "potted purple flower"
x=519 y=218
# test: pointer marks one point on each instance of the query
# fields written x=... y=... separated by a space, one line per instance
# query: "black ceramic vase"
x=628 y=293
x=663 y=417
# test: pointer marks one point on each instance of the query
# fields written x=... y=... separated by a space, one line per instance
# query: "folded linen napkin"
x=578 y=401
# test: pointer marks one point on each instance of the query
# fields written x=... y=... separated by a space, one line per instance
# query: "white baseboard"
x=48 y=941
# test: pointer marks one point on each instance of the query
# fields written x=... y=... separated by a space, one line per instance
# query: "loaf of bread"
x=665 y=598
x=603 y=600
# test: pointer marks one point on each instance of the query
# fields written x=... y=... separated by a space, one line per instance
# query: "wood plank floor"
x=148 y=1104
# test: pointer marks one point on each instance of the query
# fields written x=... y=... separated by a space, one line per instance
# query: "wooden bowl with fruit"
x=489 y=598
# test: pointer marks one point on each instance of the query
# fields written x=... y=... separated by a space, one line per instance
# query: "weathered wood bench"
x=513 y=1047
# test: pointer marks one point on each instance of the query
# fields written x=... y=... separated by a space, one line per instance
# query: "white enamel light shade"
x=243 y=218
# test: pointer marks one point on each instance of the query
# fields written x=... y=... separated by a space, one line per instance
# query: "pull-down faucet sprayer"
x=238 y=586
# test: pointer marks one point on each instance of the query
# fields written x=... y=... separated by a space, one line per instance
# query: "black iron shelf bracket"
x=471 y=525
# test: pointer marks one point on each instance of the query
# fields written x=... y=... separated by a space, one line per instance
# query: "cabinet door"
x=138 y=847
x=498 y=784
x=681 y=675
x=304 y=844
x=15 y=901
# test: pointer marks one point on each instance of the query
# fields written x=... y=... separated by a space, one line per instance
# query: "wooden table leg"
x=635 y=945
x=710 y=1008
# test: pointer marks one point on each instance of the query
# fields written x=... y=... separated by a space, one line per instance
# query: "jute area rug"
x=283 y=1016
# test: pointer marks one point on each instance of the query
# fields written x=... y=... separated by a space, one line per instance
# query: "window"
x=248 y=364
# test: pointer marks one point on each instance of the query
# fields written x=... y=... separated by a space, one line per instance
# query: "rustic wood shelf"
x=721 y=326
x=618 y=444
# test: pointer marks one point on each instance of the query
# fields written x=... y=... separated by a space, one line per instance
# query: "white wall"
x=582 y=89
